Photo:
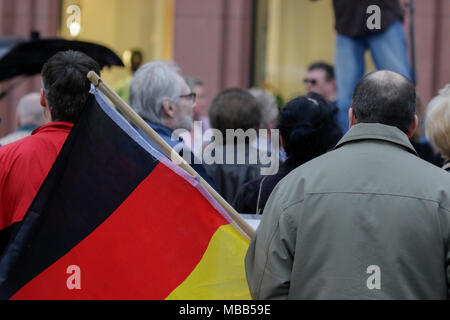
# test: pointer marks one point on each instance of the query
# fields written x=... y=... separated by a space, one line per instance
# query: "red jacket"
x=24 y=165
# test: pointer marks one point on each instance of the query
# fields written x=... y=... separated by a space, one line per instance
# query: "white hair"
x=30 y=111
x=151 y=84
x=268 y=105
x=437 y=123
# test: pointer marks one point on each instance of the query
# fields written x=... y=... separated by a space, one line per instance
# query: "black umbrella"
x=27 y=58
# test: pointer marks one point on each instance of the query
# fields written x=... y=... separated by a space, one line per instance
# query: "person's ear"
x=282 y=142
x=18 y=121
x=43 y=100
x=351 y=118
x=168 y=108
x=333 y=84
x=44 y=104
x=413 y=127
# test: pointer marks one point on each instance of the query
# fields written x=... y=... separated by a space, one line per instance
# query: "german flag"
x=116 y=220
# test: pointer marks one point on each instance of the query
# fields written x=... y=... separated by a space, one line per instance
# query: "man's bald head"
x=385 y=97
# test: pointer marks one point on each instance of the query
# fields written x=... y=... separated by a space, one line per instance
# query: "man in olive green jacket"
x=368 y=220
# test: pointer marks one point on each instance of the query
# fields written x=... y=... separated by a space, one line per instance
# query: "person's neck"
x=331 y=98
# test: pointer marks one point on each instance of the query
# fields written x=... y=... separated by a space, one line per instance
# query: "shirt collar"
x=54 y=126
x=160 y=129
x=377 y=131
x=28 y=127
x=446 y=165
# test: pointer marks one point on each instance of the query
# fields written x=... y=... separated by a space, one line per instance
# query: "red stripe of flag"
x=144 y=250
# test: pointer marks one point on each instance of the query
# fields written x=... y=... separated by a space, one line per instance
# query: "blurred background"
x=226 y=43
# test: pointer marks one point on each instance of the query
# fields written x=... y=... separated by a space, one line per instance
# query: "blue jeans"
x=389 y=52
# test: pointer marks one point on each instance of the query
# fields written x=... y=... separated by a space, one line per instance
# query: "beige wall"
x=132 y=24
x=18 y=18
x=119 y=24
x=299 y=33
x=212 y=41
x=432 y=46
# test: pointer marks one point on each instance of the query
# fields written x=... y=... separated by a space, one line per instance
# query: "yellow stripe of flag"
x=220 y=274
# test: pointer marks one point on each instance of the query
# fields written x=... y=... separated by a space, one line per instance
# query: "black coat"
x=246 y=200
x=228 y=178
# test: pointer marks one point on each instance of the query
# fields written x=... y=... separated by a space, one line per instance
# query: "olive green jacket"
x=368 y=220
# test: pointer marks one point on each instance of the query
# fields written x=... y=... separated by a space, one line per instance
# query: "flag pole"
x=167 y=150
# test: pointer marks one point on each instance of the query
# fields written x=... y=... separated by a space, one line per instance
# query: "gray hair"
x=192 y=82
x=30 y=111
x=437 y=125
x=268 y=105
x=151 y=84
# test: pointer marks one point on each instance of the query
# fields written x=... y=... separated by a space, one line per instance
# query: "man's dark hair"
x=308 y=128
x=235 y=109
x=385 y=97
x=328 y=68
x=136 y=60
x=66 y=85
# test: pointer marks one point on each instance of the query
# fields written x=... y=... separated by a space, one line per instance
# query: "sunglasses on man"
x=312 y=81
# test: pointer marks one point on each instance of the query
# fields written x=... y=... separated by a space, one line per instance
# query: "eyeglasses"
x=191 y=96
x=312 y=81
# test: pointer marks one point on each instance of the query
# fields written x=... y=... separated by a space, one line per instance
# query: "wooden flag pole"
x=168 y=151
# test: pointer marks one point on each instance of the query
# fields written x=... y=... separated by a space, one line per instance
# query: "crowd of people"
x=367 y=220
x=339 y=198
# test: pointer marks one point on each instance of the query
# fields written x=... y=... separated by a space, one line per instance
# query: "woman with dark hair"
x=308 y=130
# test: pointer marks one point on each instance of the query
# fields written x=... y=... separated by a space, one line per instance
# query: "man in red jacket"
x=24 y=165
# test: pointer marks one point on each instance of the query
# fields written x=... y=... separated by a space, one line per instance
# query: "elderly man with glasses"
x=164 y=100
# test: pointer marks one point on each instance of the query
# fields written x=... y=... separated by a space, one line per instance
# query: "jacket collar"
x=377 y=131
x=160 y=129
x=54 y=126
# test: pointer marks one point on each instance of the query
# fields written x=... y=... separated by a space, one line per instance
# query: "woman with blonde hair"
x=437 y=124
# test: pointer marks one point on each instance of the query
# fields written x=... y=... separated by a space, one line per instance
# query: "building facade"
x=226 y=43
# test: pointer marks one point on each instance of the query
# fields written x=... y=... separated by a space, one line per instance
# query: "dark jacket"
x=229 y=177
x=425 y=151
x=351 y=15
x=252 y=196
